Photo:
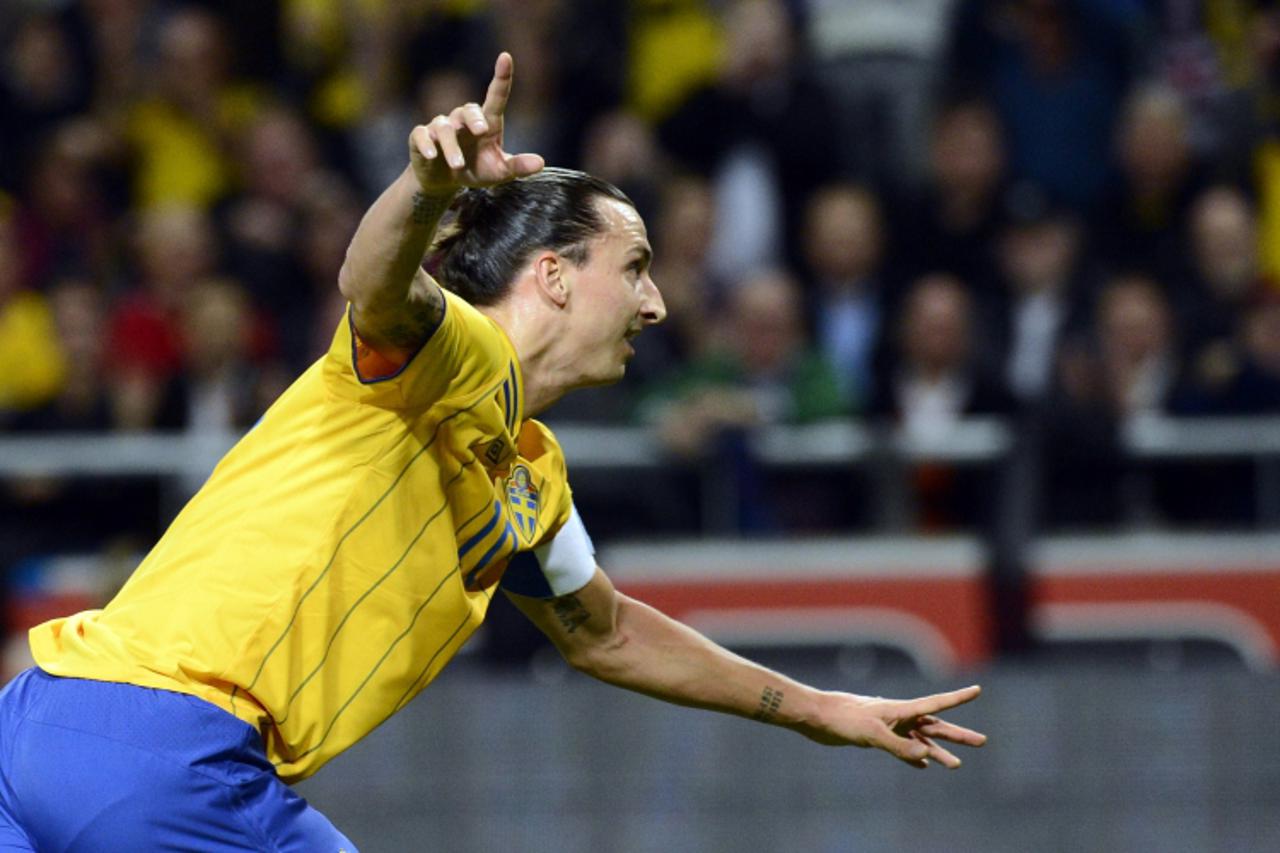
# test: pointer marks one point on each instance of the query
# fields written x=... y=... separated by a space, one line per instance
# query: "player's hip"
x=96 y=765
x=185 y=729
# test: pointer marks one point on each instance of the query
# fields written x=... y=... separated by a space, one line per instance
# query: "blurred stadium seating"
x=1011 y=414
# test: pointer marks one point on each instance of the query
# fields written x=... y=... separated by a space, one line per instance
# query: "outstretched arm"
x=627 y=643
x=395 y=303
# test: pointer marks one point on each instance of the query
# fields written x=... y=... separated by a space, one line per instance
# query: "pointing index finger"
x=495 y=100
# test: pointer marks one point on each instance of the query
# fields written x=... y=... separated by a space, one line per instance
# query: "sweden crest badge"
x=522 y=497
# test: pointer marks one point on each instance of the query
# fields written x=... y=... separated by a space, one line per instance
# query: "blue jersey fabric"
x=98 y=766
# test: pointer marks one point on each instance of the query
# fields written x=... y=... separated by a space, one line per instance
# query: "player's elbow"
x=347 y=282
x=599 y=656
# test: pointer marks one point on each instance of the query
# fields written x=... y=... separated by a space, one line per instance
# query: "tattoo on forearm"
x=571 y=613
x=427 y=209
x=770 y=702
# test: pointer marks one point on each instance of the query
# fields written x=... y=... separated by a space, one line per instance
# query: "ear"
x=549 y=271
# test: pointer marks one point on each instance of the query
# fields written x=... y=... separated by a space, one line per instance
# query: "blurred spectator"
x=1218 y=287
x=32 y=365
x=279 y=158
x=41 y=515
x=1142 y=222
x=181 y=134
x=762 y=372
x=951 y=222
x=1265 y=36
x=1056 y=71
x=622 y=149
x=439 y=91
x=1247 y=378
x=933 y=381
x=934 y=378
x=65 y=225
x=221 y=390
x=674 y=49
x=330 y=213
x=1255 y=387
x=176 y=249
x=878 y=59
x=843 y=248
x=1207 y=52
x=117 y=39
x=1137 y=347
x=1044 y=294
x=82 y=403
x=1128 y=369
x=41 y=84
x=341 y=60
x=762 y=132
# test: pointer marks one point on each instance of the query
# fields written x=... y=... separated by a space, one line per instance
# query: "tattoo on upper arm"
x=770 y=702
x=427 y=209
x=571 y=613
x=416 y=319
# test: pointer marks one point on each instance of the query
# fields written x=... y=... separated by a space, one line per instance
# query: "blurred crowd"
x=1062 y=212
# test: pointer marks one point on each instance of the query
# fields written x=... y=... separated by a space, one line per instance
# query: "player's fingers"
x=935 y=728
x=909 y=750
x=495 y=99
x=523 y=165
x=446 y=137
x=937 y=753
x=420 y=140
x=941 y=701
x=471 y=117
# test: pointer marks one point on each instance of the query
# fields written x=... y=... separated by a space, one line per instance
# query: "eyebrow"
x=644 y=252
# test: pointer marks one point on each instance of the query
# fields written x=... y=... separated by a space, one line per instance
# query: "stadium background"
x=972 y=373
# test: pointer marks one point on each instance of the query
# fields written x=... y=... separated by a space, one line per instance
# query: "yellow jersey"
x=343 y=550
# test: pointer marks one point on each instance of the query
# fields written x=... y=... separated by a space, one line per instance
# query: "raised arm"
x=625 y=642
x=395 y=303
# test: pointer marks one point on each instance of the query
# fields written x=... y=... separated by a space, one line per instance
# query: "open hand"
x=904 y=728
x=464 y=148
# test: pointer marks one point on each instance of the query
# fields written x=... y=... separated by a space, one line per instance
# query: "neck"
x=545 y=378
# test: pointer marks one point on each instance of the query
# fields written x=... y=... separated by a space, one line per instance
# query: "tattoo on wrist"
x=571 y=613
x=770 y=702
x=427 y=209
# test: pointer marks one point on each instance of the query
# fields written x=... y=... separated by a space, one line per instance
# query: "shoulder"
x=466 y=354
x=538 y=444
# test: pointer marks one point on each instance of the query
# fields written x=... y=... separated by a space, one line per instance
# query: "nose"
x=652 y=309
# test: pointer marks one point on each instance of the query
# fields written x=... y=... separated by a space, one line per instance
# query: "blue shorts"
x=96 y=766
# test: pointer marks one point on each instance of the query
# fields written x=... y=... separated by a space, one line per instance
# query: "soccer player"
x=347 y=546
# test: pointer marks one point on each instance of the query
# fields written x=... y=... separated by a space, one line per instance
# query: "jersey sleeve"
x=561 y=557
x=462 y=355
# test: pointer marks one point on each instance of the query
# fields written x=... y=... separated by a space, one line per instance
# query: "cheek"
x=617 y=308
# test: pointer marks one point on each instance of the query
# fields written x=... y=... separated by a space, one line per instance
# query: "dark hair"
x=495 y=229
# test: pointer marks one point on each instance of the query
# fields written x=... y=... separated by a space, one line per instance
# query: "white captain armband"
x=562 y=565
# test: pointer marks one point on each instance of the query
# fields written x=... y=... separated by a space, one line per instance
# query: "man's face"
x=936 y=330
x=843 y=242
x=968 y=155
x=1134 y=322
x=612 y=296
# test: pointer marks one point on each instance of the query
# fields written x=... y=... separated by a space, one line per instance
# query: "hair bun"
x=471 y=203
